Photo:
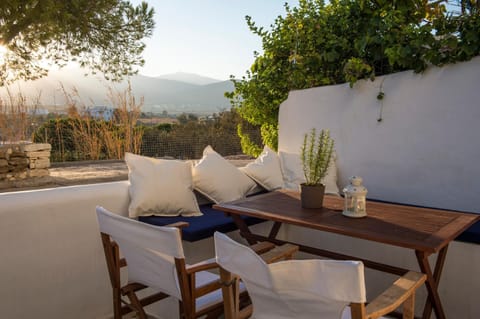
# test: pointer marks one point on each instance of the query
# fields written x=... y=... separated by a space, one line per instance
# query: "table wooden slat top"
x=423 y=229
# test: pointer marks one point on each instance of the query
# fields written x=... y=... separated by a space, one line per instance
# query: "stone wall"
x=22 y=165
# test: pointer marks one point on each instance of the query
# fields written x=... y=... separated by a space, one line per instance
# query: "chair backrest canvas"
x=150 y=251
x=300 y=289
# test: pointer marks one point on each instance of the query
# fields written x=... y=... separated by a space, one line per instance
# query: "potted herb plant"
x=316 y=155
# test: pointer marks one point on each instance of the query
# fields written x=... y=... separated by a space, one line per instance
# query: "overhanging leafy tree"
x=318 y=44
x=468 y=5
x=102 y=35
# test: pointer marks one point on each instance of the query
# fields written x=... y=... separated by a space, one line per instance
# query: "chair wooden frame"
x=231 y=282
x=186 y=277
x=400 y=293
x=114 y=264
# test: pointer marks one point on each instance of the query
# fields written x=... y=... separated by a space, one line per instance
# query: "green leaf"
x=324 y=43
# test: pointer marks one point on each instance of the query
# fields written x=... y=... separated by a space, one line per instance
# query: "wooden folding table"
x=426 y=231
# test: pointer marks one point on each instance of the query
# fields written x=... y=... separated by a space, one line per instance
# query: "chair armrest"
x=122 y=262
x=202 y=265
x=245 y=312
x=262 y=247
x=273 y=253
x=178 y=225
x=401 y=290
x=207 y=287
x=279 y=253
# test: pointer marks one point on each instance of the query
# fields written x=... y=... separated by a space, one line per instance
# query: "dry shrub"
x=127 y=137
x=17 y=117
x=96 y=139
x=85 y=133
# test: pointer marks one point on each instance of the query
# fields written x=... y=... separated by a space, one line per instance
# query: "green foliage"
x=246 y=143
x=356 y=69
x=166 y=127
x=104 y=36
x=318 y=44
x=184 y=118
x=60 y=134
x=316 y=154
x=188 y=139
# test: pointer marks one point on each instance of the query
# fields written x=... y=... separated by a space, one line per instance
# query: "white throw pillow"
x=293 y=176
x=218 y=179
x=265 y=170
x=160 y=187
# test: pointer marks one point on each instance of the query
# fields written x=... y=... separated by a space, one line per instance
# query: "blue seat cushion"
x=471 y=235
x=201 y=227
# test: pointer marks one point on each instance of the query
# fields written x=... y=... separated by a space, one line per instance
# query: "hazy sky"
x=206 y=37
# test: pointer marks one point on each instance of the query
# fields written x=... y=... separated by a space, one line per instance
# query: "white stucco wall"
x=426 y=149
x=52 y=263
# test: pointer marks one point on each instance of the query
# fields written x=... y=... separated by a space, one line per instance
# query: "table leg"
x=244 y=230
x=433 y=279
x=274 y=231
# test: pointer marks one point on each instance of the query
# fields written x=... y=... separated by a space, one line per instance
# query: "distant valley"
x=174 y=93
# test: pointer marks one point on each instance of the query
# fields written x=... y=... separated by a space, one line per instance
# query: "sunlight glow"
x=3 y=53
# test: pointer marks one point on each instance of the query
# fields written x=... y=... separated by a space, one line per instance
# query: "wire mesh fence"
x=189 y=144
x=180 y=142
x=97 y=133
x=184 y=144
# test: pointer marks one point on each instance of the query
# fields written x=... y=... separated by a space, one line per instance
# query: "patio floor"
x=87 y=172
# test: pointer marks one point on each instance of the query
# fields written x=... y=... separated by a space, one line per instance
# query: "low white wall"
x=425 y=151
x=52 y=263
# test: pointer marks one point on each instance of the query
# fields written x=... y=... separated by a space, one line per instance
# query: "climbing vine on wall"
x=318 y=43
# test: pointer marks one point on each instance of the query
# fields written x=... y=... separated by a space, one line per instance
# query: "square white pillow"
x=160 y=187
x=218 y=179
x=265 y=170
x=293 y=176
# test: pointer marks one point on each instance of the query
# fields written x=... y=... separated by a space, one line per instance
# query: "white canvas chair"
x=154 y=258
x=305 y=289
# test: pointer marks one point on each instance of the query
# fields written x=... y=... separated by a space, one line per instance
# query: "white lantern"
x=355 y=198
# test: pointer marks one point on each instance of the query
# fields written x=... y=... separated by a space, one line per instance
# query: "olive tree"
x=103 y=35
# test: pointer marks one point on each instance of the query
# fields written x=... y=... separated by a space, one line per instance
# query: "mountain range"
x=174 y=93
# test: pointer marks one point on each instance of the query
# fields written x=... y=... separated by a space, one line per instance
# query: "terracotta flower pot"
x=312 y=195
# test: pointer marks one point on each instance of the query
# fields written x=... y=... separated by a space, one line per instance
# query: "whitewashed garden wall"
x=420 y=145
x=424 y=151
